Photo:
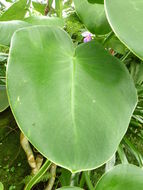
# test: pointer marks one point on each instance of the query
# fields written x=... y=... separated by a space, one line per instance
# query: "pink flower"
x=88 y=38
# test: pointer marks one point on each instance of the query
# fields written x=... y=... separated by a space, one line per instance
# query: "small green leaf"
x=124 y=17
x=3 y=98
x=16 y=12
x=39 y=7
x=92 y=16
x=65 y=99
x=122 y=177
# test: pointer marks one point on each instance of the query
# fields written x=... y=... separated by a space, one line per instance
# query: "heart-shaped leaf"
x=92 y=16
x=7 y=28
x=122 y=177
x=16 y=12
x=3 y=98
x=67 y=100
x=124 y=17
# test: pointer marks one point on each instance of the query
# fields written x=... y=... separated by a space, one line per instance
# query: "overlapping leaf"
x=16 y=12
x=3 y=98
x=7 y=28
x=125 y=18
x=92 y=16
x=39 y=7
x=122 y=177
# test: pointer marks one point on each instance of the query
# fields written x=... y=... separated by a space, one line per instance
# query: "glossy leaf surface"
x=16 y=12
x=122 y=177
x=92 y=16
x=127 y=25
x=3 y=98
x=66 y=100
x=7 y=28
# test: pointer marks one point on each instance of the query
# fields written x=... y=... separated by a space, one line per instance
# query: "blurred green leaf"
x=122 y=177
x=65 y=177
x=115 y=44
x=3 y=98
x=92 y=16
x=1 y=186
x=39 y=7
x=44 y=20
x=9 y=27
x=124 y=17
x=17 y=11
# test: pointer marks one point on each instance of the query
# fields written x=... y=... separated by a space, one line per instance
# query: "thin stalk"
x=122 y=155
x=38 y=175
x=82 y=180
x=109 y=36
x=134 y=151
x=58 y=7
x=88 y=181
x=53 y=176
x=125 y=56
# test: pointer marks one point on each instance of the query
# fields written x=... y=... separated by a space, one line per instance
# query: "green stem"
x=109 y=36
x=125 y=56
x=39 y=174
x=88 y=181
x=82 y=180
x=58 y=6
x=122 y=155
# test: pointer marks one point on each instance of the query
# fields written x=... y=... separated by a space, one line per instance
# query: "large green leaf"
x=92 y=16
x=7 y=28
x=128 y=23
x=16 y=12
x=3 y=98
x=122 y=177
x=66 y=100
